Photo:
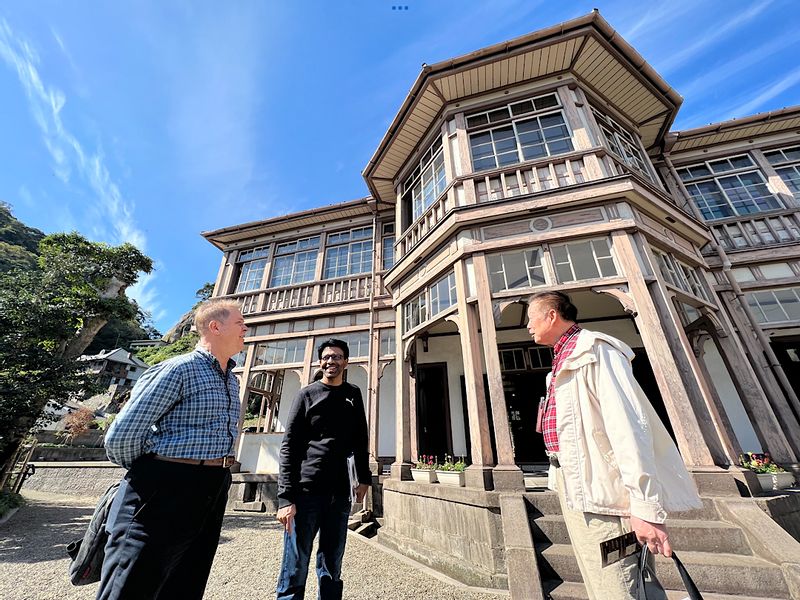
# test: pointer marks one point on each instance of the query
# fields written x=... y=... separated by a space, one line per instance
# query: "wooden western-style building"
x=544 y=162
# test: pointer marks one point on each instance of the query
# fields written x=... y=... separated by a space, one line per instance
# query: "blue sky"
x=152 y=121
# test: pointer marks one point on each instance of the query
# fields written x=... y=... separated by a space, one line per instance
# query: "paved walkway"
x=33 y=563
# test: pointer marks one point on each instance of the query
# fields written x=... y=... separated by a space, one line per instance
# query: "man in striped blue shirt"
x=176 y=437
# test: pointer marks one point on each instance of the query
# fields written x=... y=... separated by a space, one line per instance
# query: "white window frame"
x=287 y=349
x=717 y=170
x=757 y=301
x=622 y=142
x=426 y=183
x=304 y=248
x=595 y=256
x=251 y=266
x=345 y=250
x=787 y=168
x=530 y=269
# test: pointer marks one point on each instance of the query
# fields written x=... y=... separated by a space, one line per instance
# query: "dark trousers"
x=327 y=515
x=163 y=531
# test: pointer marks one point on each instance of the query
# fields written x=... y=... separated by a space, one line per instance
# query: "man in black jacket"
x=326 y=424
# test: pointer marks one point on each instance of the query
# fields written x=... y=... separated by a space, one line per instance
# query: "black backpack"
x=87 y=554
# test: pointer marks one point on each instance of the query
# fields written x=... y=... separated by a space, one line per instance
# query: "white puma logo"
x=350 y=400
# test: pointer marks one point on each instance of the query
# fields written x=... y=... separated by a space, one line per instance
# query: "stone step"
x=717 y=573
x=353 y=524
x=257 y=506
x=366 y=529
x=576 y=591
x=545 y=502
x=697 y=536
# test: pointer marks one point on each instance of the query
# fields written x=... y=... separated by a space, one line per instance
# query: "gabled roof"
x=255 y=229
x=118 y=355
x=587 y=46
x=775 y=121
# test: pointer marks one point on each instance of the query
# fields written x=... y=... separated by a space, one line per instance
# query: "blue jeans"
x=326 y=514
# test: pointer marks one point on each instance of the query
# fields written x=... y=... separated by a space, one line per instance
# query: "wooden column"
x=308 y=362
x=479 y=473
x=401 y=467
x=373 y=398
x=774 y=435
x=506 y=474
x=218 y=287
x=785 y=418
x=464 y=154
x=248 y=364
x=688 y=435
x=718 y=437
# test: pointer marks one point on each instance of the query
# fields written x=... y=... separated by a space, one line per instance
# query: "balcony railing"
x=758 y=232
x=309 y=294
x=519 y=180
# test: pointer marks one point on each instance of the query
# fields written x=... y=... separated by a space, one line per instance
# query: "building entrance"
x=525 y=368
x=433 y=411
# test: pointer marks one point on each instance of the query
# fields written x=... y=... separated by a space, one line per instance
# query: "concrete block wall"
x=78 y=479
x=457 y=531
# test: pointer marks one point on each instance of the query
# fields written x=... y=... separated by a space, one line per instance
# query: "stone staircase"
x=717 y=554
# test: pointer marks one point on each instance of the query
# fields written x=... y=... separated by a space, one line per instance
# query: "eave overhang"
x=588 y=47
x=766 y=123
x=276 y=225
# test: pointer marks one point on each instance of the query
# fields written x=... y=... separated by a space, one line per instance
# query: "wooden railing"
x=513 y=181
x=758 y=232
x=309 y=294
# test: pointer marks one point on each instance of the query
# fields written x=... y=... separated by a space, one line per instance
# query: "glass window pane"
x=516 y=273
x=789 y=302
x=776 y=270
x=583 y=260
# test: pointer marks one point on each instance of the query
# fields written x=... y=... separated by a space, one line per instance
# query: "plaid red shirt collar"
x=559 y=345
x=561 y=351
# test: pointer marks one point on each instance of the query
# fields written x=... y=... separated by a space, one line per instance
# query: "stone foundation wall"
x=457 y=531
x=74 y=479
x=784 y=510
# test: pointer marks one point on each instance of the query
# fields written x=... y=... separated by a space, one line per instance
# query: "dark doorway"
x=788 y=353
x=434 y=435
x=643 y=373
x=522 y=391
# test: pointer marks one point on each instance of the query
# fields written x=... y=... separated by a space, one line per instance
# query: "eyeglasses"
x=333 y=357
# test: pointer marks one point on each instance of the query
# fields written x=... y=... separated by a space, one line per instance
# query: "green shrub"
x=9 y=501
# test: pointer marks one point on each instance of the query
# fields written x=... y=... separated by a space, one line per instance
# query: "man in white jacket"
x=613 y=463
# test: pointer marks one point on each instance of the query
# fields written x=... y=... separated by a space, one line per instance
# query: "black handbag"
x=86 y=555
x=648 y=579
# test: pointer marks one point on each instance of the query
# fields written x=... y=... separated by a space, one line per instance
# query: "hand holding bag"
x=647 y=579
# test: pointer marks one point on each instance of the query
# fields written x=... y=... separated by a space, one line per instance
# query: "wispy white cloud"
x=766 y=94
x=656 y=17
x=705 y=83
x=46 y=103
x=709 y=37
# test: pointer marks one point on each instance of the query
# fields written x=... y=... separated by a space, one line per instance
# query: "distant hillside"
x=19 y=244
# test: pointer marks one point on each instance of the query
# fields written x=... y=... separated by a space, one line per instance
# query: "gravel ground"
x=33 y=563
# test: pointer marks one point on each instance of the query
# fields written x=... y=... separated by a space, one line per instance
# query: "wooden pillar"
x=718 y=437
x=218 y=287
x=785 y=418
x=479 y=473
x=774 y=436
x=248 y=364
x=373 y=398
x=506 y=475
x=401 y=467
x=464 y=153
x=687 y=431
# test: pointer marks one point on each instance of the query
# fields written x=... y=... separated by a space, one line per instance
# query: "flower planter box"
x=775 y=481
x=424 y=475
x=454 y=478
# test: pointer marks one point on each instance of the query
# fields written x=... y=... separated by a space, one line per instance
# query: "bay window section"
x=523 y=135
x=588 y=259
x=251 y=265
x=295 y=262
x=728 y=187
x=426 y=182
x=516 y=269
x=775 y=306
x=680 y=275
x=415 y=311
x=787 y=165
x=622 y=143
x=348 y=253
